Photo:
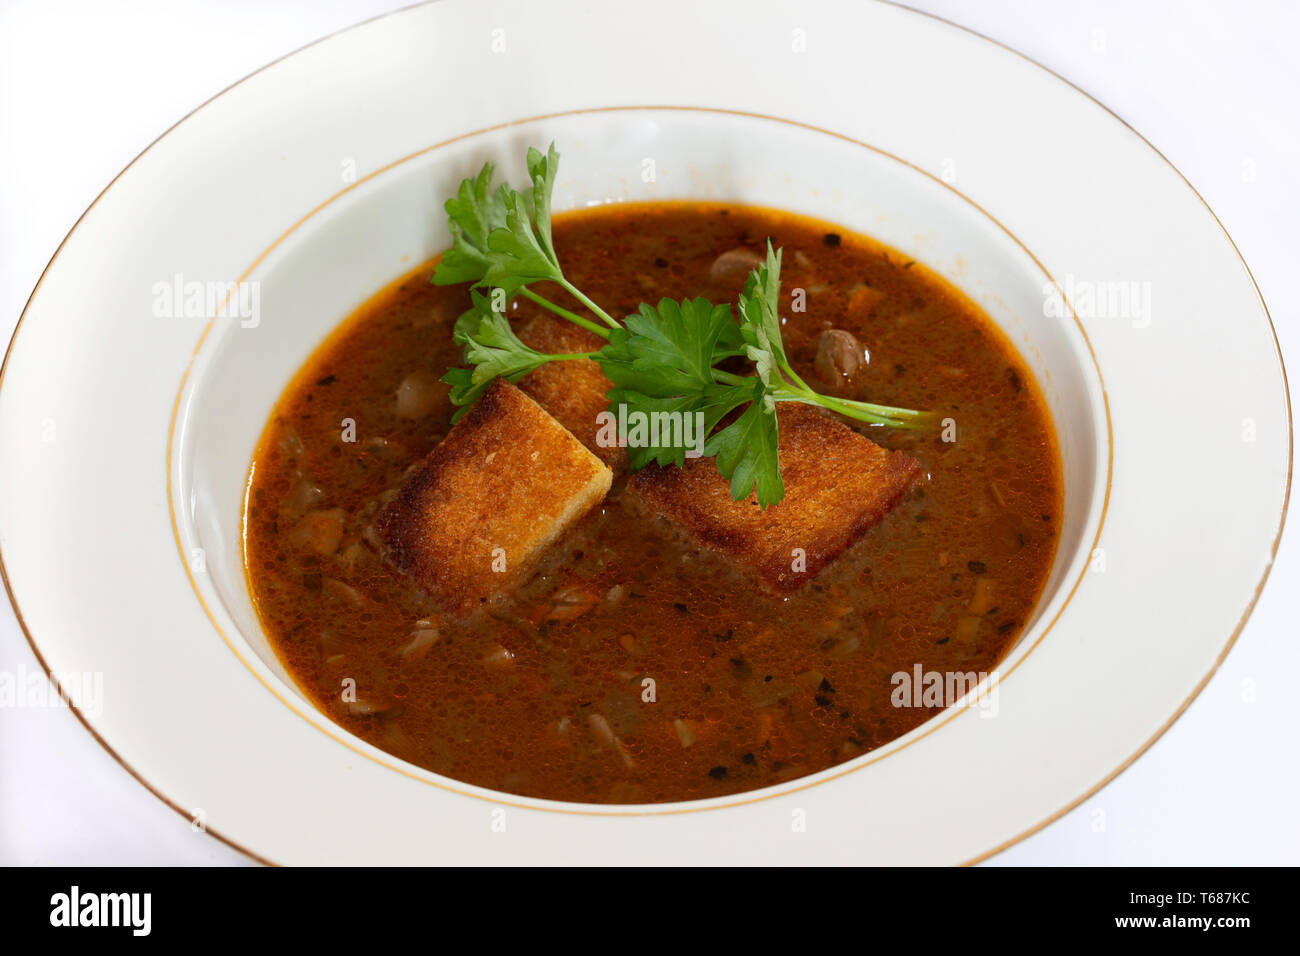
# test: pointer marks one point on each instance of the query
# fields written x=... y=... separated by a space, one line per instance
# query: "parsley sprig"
x=662 y=358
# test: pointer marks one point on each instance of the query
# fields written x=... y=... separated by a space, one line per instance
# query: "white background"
x=85 y=86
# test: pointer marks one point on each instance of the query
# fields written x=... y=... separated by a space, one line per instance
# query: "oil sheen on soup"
x=634 y=667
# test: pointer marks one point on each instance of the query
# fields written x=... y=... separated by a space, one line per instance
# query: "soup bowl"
x=372 y=232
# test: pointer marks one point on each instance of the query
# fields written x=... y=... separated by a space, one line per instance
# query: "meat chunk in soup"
x=478 y=512
x=837 y=485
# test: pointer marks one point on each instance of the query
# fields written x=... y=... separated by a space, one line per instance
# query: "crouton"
x=572 y=391
x=503 y=485
x=837 y=485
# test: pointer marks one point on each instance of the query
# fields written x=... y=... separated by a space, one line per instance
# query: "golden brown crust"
x=574 y=390
x=489 y=499
x=837 y=485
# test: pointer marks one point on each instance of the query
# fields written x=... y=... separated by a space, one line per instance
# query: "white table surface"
x=86 y=85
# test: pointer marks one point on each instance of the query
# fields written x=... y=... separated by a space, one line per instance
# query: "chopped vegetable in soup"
x=650 y=644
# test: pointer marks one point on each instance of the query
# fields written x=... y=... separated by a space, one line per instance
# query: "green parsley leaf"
x=760 y=321
x=746 y=450
x=492 y=348
x=662 y=364
x=502 y=238
x=473 y=213
x=542 y=170
x=519 y=253
x=667 y=350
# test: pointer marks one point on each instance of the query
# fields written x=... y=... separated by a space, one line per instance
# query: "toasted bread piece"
x=572 y=391
x=503 y=485
x=837 y=485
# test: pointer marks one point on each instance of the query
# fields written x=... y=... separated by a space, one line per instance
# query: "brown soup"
x=750 y=688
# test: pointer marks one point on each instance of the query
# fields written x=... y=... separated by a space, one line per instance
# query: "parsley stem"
x=862 y=411
x=595 y=309
x=730 y=378
x=570 y=355
x=794 y=376
x=564 y=313
x=851 y=405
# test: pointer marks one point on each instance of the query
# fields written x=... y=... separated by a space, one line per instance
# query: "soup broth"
x=634 y=666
